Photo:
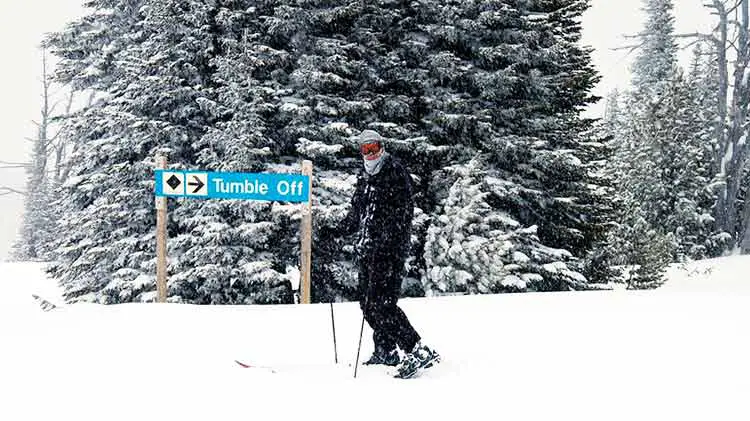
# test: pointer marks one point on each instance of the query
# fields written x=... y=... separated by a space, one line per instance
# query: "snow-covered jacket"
x=381 y=211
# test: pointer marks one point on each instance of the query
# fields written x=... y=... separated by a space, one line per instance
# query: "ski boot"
x=390 y=359
x=419 y=359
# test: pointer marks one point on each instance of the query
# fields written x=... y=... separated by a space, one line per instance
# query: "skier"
x=381 y=211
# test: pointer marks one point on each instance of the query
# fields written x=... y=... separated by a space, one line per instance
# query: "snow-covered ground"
x=678 y=353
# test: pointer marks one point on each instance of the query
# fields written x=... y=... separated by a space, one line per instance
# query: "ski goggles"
x=370 y=148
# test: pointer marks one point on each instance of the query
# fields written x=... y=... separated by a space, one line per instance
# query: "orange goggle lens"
x=370 y=148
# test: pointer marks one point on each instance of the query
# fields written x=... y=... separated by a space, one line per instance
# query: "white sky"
x=22 y=24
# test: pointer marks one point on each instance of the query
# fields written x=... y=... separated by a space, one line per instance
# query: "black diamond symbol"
x=173 y=182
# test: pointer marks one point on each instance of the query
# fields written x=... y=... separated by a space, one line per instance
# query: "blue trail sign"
x=231 y=185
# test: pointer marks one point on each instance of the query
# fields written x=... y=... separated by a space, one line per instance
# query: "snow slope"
x=677 y=353
x=724 y=275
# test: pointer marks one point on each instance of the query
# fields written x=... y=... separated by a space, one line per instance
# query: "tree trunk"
x=41 y=143
x=723 y=83
x=745 y=240
x=60 y=148
x=722 y=210
x=732 y=140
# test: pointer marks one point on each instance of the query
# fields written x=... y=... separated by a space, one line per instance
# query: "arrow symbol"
x=197 y=183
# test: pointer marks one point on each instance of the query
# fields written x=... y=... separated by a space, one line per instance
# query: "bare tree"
x=42 y=141
x=60 y=147
x=62 y=164
x=43 y=145
x=734 y=120
x=731 y=38
x=8 y=190
x=37 y=221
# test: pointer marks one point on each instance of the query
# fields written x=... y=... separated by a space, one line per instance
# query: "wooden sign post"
x=306 y=238
x=161 y=240
x=295 y=188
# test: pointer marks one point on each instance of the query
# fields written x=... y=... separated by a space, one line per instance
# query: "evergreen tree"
x=37 y=224
x=258 y=86
x=656 y=156
x=508 y=79
x=645 y=251
x=642 y=188
x=236 y=252
x=603 y=208
x=656 y=61
x=473 y=248
x=681 y=161
x=666 y=146
x=703 y=83
x=151 y=67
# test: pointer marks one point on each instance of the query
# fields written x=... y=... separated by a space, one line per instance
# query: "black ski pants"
x=380 y=285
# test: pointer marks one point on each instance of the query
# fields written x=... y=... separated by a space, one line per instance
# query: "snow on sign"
x=226 y=185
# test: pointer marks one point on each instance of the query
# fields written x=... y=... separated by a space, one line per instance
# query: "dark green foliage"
x=485 y=94
x=662 y=166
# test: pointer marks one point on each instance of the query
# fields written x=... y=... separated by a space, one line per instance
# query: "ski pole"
x=361 y=329
x=333 y=328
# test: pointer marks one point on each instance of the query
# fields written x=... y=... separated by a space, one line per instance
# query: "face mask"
x=372 y=166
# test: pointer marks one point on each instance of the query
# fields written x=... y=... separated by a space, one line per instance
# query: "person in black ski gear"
x=381 y=212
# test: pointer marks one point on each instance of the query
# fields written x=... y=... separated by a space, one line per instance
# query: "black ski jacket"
x=381 y=211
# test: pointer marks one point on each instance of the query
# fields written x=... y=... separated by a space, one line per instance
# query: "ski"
x=246 y=365
x=409 y=373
